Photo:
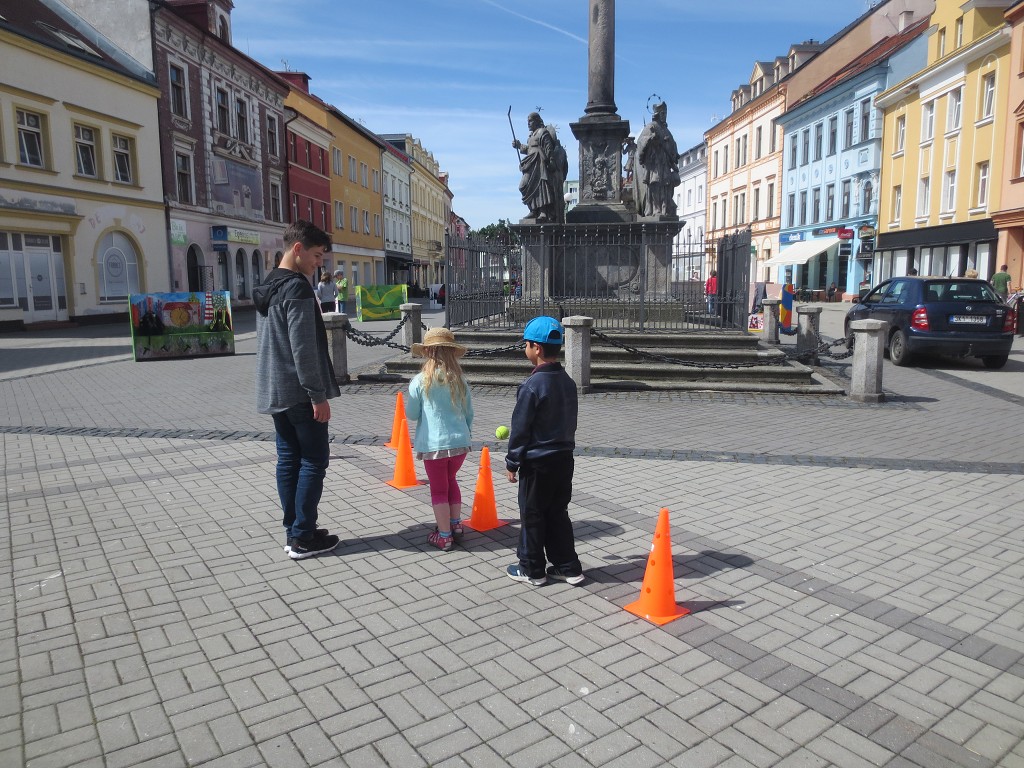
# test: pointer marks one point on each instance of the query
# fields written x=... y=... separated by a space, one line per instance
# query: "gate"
x=479 y=279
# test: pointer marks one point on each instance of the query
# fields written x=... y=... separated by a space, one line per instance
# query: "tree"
x=498 y=233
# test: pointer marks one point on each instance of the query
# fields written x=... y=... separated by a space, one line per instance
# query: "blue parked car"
x=955 y=316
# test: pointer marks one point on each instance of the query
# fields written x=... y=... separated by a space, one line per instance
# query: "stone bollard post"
x=577 y=350
x=337 y=344
x=412 y=331
x=868 y=346
x=808 y=320
x=771 y=320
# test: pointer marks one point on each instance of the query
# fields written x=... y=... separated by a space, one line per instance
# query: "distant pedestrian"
x=540 y=452
x=912 y=272
x=831 y=292
x=327 y=293
x=441 y=406
x=1001 y=282
x=294 y=380
x=341 y=282
x=711 y=291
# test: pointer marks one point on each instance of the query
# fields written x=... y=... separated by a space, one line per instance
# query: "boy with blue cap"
x=540 y=452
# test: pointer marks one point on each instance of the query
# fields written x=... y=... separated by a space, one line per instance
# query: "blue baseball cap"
x=544 y=330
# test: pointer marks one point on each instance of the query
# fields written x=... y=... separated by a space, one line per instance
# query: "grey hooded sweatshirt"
x=292 y=363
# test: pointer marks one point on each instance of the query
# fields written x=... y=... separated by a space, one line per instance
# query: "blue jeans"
x=303 y=452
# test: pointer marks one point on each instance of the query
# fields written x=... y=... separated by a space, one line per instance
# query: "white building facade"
x=689 y=249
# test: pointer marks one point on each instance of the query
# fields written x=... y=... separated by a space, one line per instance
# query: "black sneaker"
x=516 y=573
x=288 y=539
x=557 y=573
x=299 y=549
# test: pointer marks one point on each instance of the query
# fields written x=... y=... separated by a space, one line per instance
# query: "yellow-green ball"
x=501 y=433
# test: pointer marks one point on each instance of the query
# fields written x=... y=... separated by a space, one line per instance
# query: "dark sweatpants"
x=545 y=489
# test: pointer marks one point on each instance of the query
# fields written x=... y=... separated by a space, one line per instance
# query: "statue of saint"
x=544 y=165
x=658 y=173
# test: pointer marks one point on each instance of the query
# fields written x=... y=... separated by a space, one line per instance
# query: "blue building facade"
x=831 y=164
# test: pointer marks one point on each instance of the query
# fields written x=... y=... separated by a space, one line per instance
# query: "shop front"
x=951 y=249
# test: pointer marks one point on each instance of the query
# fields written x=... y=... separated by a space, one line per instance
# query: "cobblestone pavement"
x=855 y=575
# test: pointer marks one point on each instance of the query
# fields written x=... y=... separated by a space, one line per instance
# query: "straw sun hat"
x=438 y=337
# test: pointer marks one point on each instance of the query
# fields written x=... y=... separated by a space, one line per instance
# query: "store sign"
x=179 y=232
x=791 y=237
x=845 y=234
x=246 y=236
x=865 y=232
x=845 y=249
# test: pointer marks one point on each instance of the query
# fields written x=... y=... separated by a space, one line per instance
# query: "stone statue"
x=658 y=173
x=544 y=165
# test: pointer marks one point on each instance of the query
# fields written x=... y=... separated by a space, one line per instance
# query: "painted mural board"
x=169 y=326
x=381 y=302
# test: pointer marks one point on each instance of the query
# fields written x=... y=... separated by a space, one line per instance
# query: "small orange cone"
x=405 y=470
x=657 y=601
x=485 y=511
x=396 y=424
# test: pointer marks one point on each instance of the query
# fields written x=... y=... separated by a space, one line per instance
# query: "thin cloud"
x=538 y=22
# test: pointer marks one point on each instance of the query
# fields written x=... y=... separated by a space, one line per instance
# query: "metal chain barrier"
x=496 y=351
x=367 y=340
x=679 y=361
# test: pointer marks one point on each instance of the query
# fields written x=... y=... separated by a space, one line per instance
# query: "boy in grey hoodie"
x=294 y=379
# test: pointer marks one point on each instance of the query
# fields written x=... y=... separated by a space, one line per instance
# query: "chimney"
x=299 y=80
x=906 y=17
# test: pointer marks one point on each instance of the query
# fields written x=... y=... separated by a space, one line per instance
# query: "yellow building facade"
x=943 y=147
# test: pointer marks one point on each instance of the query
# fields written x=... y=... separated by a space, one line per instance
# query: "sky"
x=447 y=71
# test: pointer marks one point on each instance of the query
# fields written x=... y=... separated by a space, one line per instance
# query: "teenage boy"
x=540 y=448
x=294 y=379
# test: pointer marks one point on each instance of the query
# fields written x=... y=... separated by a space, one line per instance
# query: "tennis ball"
x=501 y=433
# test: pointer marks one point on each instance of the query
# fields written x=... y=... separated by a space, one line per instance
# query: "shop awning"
x=801 y=253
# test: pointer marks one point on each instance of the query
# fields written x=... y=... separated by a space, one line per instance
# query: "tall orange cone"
x=485 y=511
x=396 y=424
x=657 y=601
x=405 y=470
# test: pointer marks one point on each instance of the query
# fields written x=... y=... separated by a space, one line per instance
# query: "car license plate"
x=969 y=319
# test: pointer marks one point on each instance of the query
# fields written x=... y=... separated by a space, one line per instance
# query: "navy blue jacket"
x=544 y=419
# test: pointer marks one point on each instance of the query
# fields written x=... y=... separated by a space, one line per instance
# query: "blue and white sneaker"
x=516 y=573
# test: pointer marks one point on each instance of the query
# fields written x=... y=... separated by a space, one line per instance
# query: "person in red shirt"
x=711 y=291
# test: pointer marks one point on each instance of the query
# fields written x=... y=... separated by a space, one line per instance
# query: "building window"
x=336 y=161
x=272 y=141
x=323 y=217
x=901 y=133
x=339 y=214
x=792 y=152
x=242 y=120
x=924 y=196
x=183 y=173
x=118 y=268
x=85 y=151
x=771 y=201
x=223 y=112
x=295 y=207
x=949 y=192
x=844 y=201
x=774 y=141
x=833 y=134
x=293 y=147
x=376 y=180
x=942 y=42
x=830 y=202
x=897 y=202
x=805 y=147
x=366 y=222
x=803 y=207
x=848 y=128
x=953 y=111
x=275 y=201
x=819 y=138
x=982 y=194
x=959 y=32
x=309 y=210
x=757 y=204
x=792 y=209
x=716 y=164
x=757 y=143
x=179 y=101
x=865 y=198
x=309 y=162
x=725 y=159
x=376 y=224
x=364 y=178
x=928 y=121
x=353 y=218
x=816 y=205
x=714 y=214
x=739 y=203
x=988 y=95
x=30 y=139
x=865 y=119
x=124 y=152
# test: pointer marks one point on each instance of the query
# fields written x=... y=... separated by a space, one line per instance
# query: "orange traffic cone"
x=396 y=424
x=485 y=511
x=657 y=601
x=405 y=471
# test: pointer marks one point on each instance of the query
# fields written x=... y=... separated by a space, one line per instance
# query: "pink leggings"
x=441 y=474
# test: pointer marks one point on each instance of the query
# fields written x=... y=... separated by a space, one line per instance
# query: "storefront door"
x=47 y=297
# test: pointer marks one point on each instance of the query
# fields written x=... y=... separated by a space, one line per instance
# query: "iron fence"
x=627 y=276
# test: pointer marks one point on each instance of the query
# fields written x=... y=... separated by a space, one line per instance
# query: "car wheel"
x=995 y=361
x=849 y=336
x=898 y=353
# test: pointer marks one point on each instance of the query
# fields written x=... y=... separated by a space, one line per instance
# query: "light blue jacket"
x=440 y=424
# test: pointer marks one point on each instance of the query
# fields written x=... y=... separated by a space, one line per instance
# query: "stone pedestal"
x=412 y=331
x=600 y=137
x=868 y=347
x=771 y=320
x=577 y=350
x=807 y=334
x=337 y=324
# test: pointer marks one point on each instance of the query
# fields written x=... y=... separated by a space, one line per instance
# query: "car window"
x=973 y=291
x=898 y=293
x=934 y=291
x=875 y=296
